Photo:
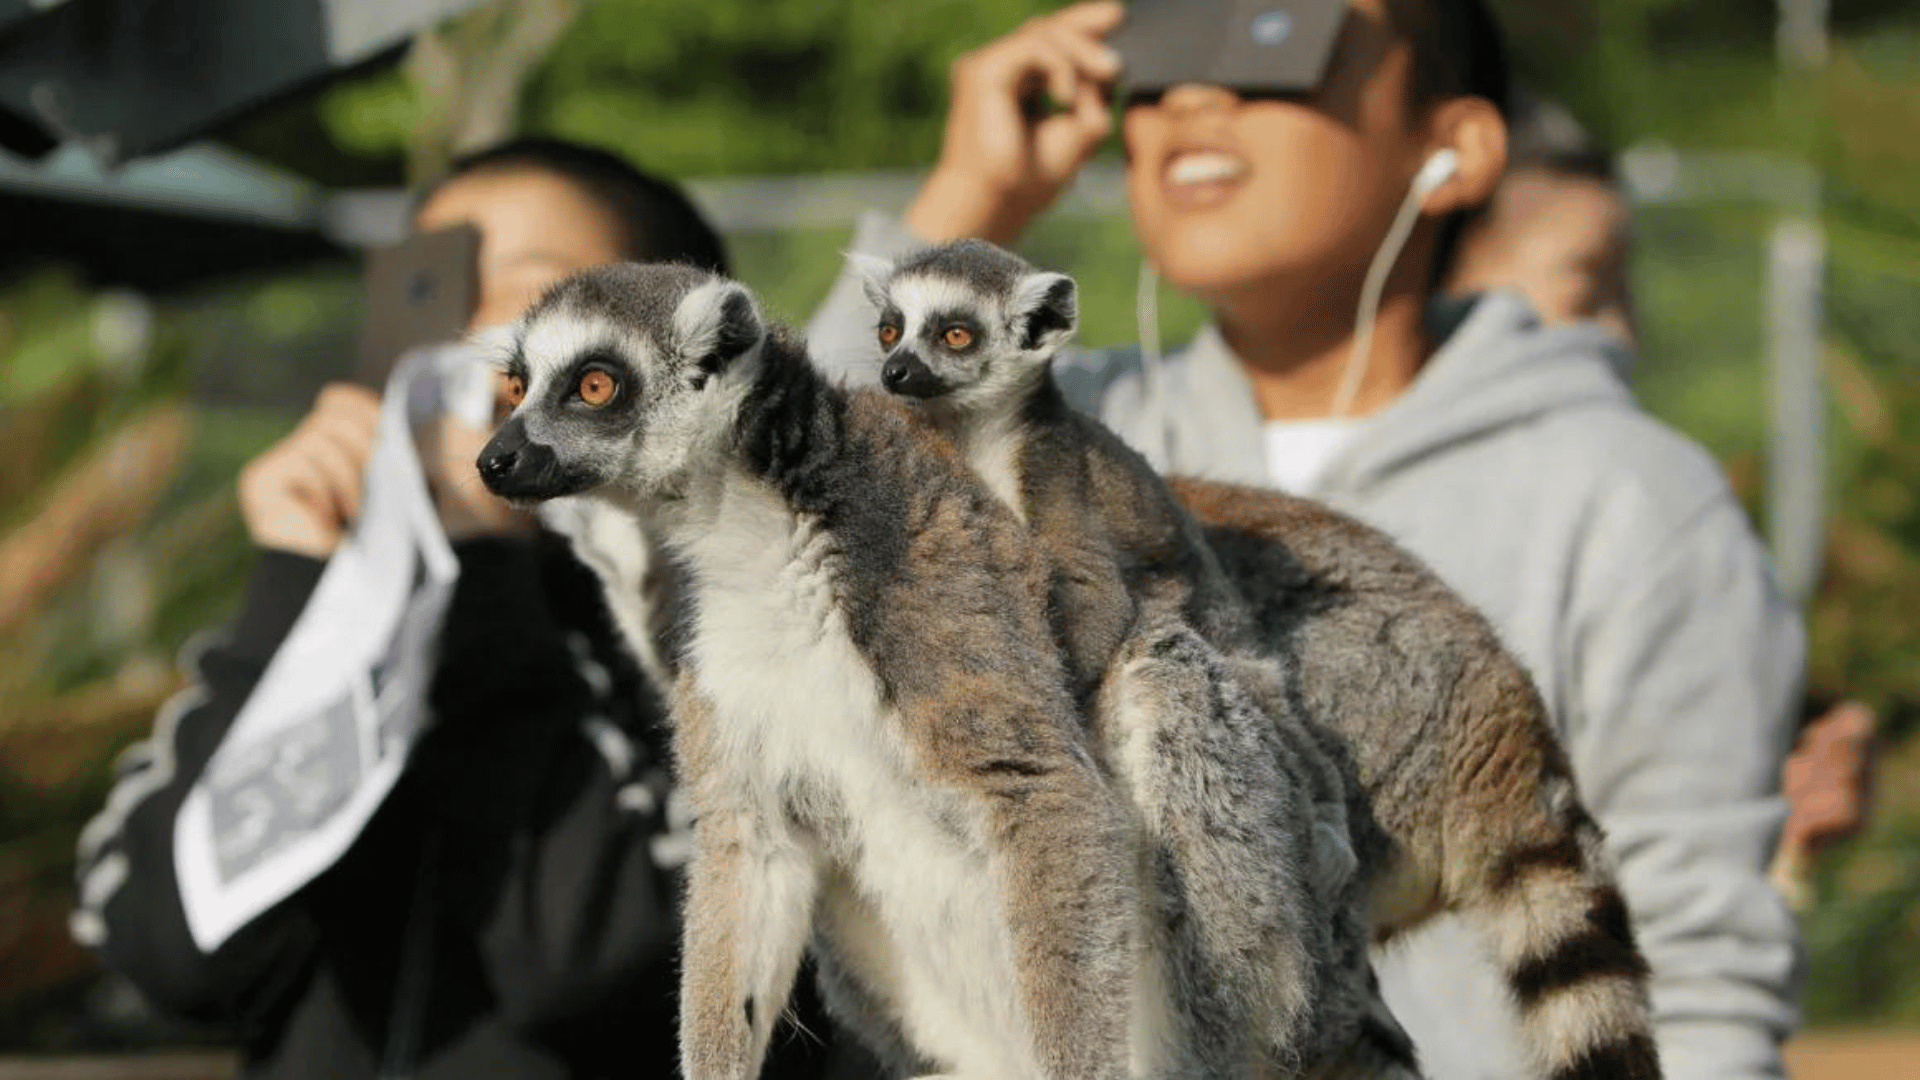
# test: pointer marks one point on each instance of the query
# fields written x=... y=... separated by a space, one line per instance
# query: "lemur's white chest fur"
x=909 y=893
x=991 y=440
x=610 y=540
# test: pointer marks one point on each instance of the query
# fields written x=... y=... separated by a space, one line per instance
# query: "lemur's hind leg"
x=851 y=958
x=1379 y=1050
x=751 y=891
x=1234 y=848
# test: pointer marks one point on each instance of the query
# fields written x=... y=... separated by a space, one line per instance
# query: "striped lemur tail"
x=1543 y=894
x=1567 y=954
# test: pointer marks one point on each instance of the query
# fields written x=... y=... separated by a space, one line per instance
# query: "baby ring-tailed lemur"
x=871 y=719
x=1464 y=780
x=1249 y=805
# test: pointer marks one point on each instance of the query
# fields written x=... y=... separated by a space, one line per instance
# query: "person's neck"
x=1295 y=354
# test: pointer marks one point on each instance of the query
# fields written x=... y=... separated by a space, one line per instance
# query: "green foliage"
x=48 y=336
x=1697 y=275
x=372 y=116
x=736 y=86
x=730 y=86
x=1867 y=933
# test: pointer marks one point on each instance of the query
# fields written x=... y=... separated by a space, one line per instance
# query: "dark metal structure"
x=130 y=78
x=157 y=224
x=101 y=106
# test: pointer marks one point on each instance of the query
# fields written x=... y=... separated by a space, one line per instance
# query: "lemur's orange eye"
x=597 y=387
x=889 y=335
x=957 y=337
x=516 y=390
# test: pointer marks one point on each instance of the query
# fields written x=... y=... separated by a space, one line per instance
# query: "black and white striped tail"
x=1565 y=945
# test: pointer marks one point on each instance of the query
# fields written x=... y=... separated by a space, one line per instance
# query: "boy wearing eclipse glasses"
x=1305 y=169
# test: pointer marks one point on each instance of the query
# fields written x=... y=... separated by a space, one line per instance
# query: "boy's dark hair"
x=657 y=221
x=1458 y=51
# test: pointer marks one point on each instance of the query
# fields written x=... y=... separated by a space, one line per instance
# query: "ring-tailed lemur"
x=1464 y=779
x=871 y=720
x=1252 y=807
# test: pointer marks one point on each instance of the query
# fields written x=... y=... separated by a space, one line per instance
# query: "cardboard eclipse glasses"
x=1250 y=46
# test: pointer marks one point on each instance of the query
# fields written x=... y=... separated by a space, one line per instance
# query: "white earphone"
x=1439 y=168
x=1435 y=171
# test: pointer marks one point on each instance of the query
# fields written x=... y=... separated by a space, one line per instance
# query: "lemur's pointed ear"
x=874 y=273
x=1045 y=311
x=714 y=325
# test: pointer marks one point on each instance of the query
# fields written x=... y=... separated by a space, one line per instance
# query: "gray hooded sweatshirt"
x=1614 y=560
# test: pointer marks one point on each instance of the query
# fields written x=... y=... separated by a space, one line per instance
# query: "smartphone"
x=420 y=291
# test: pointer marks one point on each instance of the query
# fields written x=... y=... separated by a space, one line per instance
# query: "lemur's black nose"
x=513 y=466
x=501 y=456
x=909 y=376
x=498 y=466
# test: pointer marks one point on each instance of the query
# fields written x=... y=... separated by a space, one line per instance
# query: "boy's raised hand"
x=1000 y=164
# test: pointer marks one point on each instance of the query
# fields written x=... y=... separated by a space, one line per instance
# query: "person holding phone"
x=511 y=907
x=1306 y=167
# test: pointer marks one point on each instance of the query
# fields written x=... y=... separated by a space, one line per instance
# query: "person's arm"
x=1828 y=780
x=130 y=911
x=296 y=499
x=1688 y=671
x=998 y=167
x=501 y=659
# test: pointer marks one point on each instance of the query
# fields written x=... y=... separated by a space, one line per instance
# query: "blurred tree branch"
x=109 y=491
x=61 y=737
x=470 y=73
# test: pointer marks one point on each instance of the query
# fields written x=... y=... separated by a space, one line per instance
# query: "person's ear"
x=1473 y=128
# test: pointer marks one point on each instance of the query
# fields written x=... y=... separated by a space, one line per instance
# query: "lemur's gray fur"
x=1467 y=791
x=871 y=719
x=1249 y=805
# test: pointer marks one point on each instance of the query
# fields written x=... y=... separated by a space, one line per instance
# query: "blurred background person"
x=511 y=909
x=1558 y=231
x=1557 y=228
x=1829 y=788
x=1509 y=454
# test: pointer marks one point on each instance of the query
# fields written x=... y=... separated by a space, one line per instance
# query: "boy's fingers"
x=1093 y=59
x=1101 y=17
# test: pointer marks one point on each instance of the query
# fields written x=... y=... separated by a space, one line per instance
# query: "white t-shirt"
x=1299 y=450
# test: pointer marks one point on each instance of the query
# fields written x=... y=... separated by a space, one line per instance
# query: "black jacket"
x=531 y=829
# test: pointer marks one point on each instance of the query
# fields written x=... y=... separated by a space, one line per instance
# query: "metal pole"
x=1801 y=37
x=1796 y=487
x=1796 y=270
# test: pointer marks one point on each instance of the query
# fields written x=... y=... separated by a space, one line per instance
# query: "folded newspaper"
x=318 y=745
